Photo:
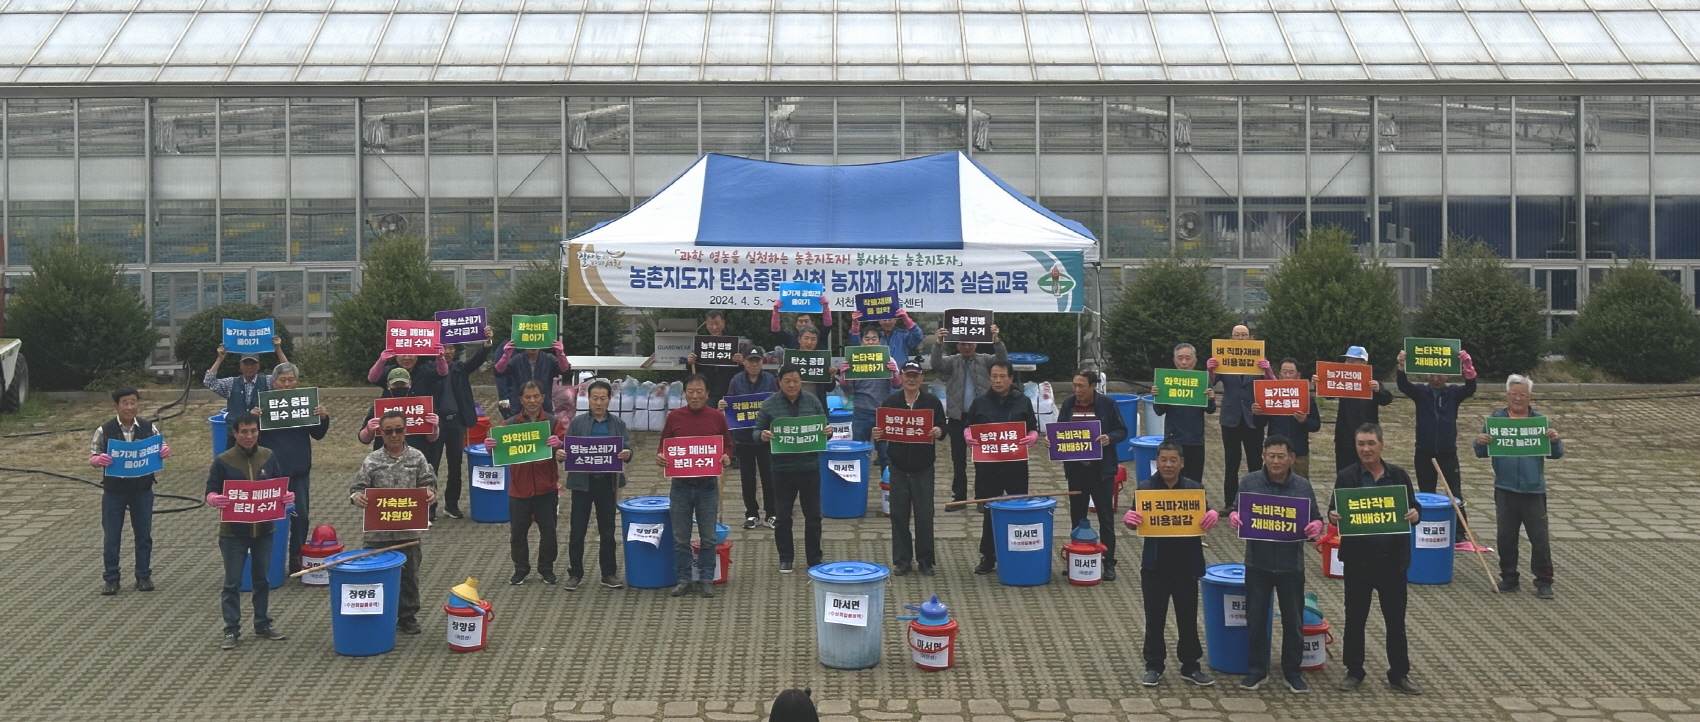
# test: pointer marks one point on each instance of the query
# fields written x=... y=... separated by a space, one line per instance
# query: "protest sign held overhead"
x=799 y=297
x=1237 y=357
x=878 y=306
x=1433 y=356
x=248 y=336
x=1344 y=381
x=462 y=326
x=418 y=338
x=535 y=331
x=967 y=325
x=1180 y=388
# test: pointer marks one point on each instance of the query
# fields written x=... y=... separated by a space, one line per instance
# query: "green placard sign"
x=521 y=443
x=288 y=409
x=813 y=363
x=1180 y=388
x=799 y=434
x=1372 y=510
x=867 y=362
x=1518 y=437
x=534 y=331
x=1433 y=356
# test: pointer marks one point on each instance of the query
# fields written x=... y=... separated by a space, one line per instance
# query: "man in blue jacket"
x=1437 y=423
x=1096 y=480
x=1185 y=425
x=753 y=456
x=1520 y=494
x=902 y=335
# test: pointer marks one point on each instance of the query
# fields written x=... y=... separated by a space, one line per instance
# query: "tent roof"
x=944 y=201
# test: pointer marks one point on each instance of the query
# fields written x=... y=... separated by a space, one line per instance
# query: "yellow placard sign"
x=1170 y=512
x=1237 y=357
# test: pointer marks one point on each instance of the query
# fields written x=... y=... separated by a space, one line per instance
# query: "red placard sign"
x=252 y=502
x=998 y=442
x=413 y=407
x=1343 y=381
x=417 y=338
x=690 y=456
x=905 y=426
x=1285 y=397
x=397 y=510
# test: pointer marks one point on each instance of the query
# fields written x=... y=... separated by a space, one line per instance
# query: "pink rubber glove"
x=843 y=368
x=1133 y=519
x=490 y=444
x=372 y=425
x=1263 y=363
x=903 y=313
x=1314 y=529
x=1469 y=364
x=1211 y=364
x=164 y=451
x=1032 y=436
x=386 y=355
x=824 y=306
x=1233 y=520
x=968 y=435
x=559 y=349
x=891 y=365
x=100 y=460
x=553 y=442
x=288 y=498
x=217 y=500
x=432 y=420
x=1210 y=518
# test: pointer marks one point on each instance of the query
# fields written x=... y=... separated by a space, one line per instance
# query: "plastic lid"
x=860 y=447
x=1037 y=502
x=1084 y=532
x=1026 y=357
x=1225 y=573
x=1435 y=500
x=934 y=612
x=646 y=503
x=840 y=413
x=1150 y=442
x=848 y=572
x=477 y=450
x=374 y=563
x=1312 y=618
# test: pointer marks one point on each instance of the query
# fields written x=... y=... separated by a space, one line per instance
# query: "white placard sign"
x=1026 y=537
x=1233 y=610
x=466 y=631
x=490 y=478
x=647 y=533
x=847 y=469
x=928 y=650
x=847 y=609
x=1434 y=534
x=362 y=599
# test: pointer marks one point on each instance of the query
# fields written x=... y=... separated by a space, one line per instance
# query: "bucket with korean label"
x=849 y=608
x=840 y=424
x=1128 y=406
x=1431 y=542
x=468 y=623
x=322 y=546
x=363 y=602
x=489 y=493
x=1021 y=529
x=932 y=635
x=1318 y=636
x=276 y=565
x=1329 y=545
x=1225 y=636
x=722 y=562
x=648 y=535
x=1083 y=556
x=844 y=479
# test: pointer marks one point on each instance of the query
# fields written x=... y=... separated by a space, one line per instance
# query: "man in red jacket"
x=696 y=496
x=534 y=493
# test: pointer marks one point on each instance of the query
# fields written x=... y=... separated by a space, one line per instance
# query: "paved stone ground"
x=1619 y=643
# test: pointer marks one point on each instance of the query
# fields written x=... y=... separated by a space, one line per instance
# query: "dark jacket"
x=244 y=397
x=1353 y=413
x=1390 y=548
x=956 y=372
x=580 y=426
x=778 y=407
x=458 y=387
x=1109 y=422
x=1184 y=425
x=1272 y=556
x=122 y=484
x=910 y=456
x=1159 y=547
x=742 y=386
x=292 y=449
x=1437 y=412
x=991 y=408
x=1297 y=432
x=1238 y=393
x=234 y=463
x=417 y=441
x=518 y=370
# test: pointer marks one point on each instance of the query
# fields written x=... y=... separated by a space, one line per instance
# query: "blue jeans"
x=702 y=501
x=258 y=551
x=112 y=507
x=862 y=429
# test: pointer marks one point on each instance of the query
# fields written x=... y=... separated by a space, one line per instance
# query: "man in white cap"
x=1354 y=413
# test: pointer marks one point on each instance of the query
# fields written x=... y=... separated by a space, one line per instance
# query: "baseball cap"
x=251 y=357
x=911 y=367
x=1357 y=352
x=398 y=375
x=751 y=350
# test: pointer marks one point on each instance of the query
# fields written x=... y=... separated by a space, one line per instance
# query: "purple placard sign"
x=463 y=326
x=595 y=454
x=1074 y=441
x=1267 y=517
x=878 y=306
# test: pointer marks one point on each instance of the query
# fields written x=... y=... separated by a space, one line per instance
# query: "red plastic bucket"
x=314 y=554
x=933 y=647
x=1329 y=545
x=1317 y=637
x=722 y=562
x=469 y=627
x=1084 y=562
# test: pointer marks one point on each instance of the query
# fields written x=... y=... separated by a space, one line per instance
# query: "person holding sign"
x=808 y=339
x=293 y=449
x=534 y=492
x=753 y=456
x=244 y=544
x=899 y=333
x=800 y=323
x=399 y=388
x=718 y=378
x=532 y=364
x=1353 y=413
x=866 y=395
x=1376 y=564
x=241 y=393
x=1437 y=423
x=397 y=466
x=1273 y=567
x=796 y=477
x=695 y=496
x=1297 y=427
x=458 y=410
x=596 y=490
x=125 y=493
x=966 y=375
x=1095 y=479
x=426 y=377
x=1003 y=402
x=1242 y=428
x=1520 y=492
x=1169 y=569
x=1185 y=424
x=912 y=474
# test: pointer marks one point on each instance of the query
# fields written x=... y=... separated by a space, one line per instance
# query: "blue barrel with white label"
x=279 y=556
x=1431 y=542
x=844 y=479
x=488 y=496
x=849 y=613
x=363 y=602
x=1128 y=406
x=840 y=423
x=220 y=434
x=1225 y=635
x=1021 y=529
x=1145 y=456
x=645 y=525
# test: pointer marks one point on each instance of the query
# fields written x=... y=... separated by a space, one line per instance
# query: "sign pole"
x=368 y=553
x=965 y=502
x=1459 y=512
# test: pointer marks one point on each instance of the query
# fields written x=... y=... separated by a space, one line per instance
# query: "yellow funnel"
x=467 y=590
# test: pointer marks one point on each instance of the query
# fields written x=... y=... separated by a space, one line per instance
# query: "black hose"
x=194 y=503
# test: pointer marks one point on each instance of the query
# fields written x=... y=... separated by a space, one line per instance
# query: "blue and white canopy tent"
x=940 y=230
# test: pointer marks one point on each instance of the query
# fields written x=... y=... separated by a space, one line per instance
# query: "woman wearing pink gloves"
x=1169 y=569
x=1002 y=403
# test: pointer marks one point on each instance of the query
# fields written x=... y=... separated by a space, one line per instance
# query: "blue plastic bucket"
x=1128 y=405
x=1225 y=635
x=220 y=437
x=1022 y=530
x=488 y=496
x=364 y=593
x=841 y=498
x=849 y=613
x=280 y=556
x=1431 y=542
x=1145 y=456
x=1150 y=423
x=649 y=554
